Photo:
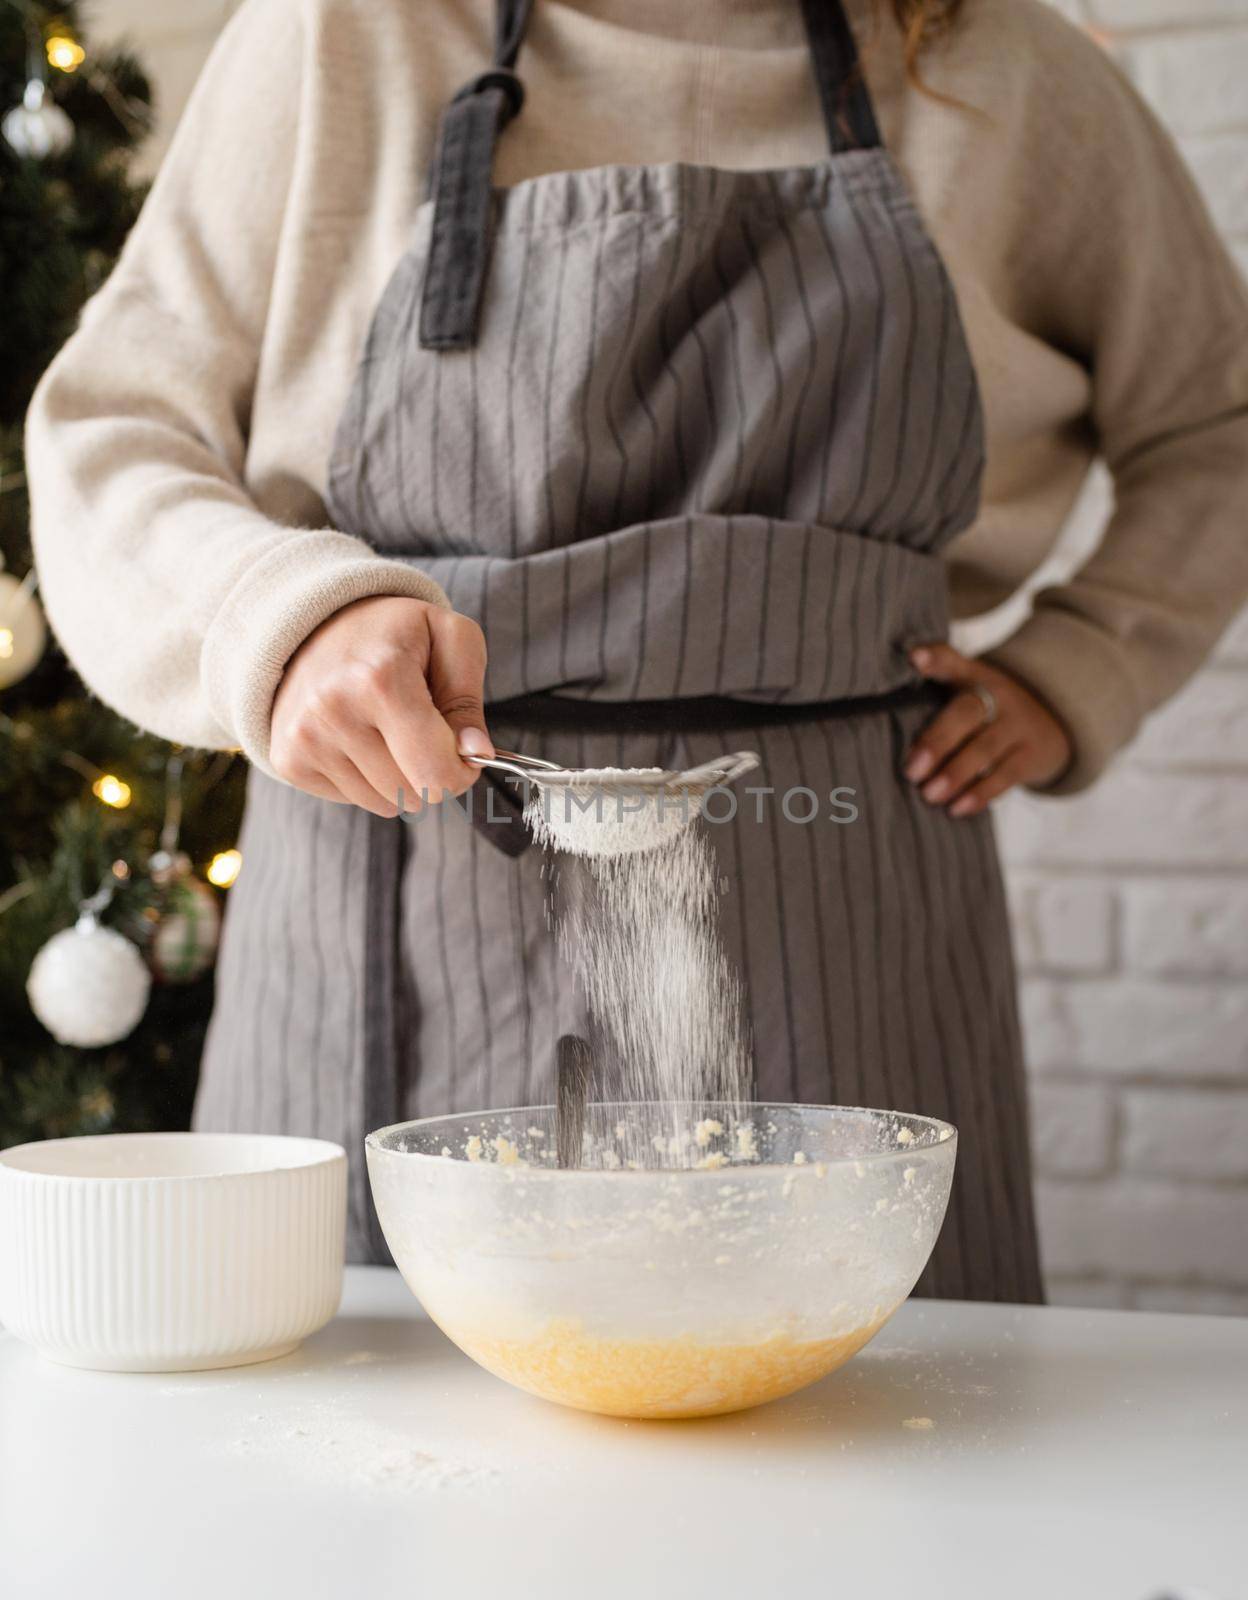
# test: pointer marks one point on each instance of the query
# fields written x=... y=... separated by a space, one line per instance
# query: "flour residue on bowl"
x=619 y=1138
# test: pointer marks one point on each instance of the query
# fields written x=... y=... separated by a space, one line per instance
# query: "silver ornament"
x=184 y=940
x=38 y=128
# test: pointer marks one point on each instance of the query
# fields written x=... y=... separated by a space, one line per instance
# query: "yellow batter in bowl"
x=659 y=1378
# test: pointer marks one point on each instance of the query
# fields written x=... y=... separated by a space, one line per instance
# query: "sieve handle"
x=724 y=769
x=519 y=766
x=499 y=819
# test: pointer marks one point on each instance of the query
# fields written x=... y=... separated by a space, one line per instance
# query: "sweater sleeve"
x=1129 y=275
x=176 y=599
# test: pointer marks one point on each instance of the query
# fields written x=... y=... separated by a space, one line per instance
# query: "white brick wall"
x=1201 y=1134
x=1186 y=929
x=1131 y=903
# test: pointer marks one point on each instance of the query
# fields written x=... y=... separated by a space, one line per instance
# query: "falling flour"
x=638 y=920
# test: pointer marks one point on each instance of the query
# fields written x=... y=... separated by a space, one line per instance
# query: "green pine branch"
x=62 y=225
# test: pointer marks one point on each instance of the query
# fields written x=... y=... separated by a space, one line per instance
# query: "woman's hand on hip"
x=378 y=705
x=993 y=734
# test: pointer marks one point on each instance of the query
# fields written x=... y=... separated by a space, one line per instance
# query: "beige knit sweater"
x=178 y=445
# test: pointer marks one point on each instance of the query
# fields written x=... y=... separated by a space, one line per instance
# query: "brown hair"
x=921 y=23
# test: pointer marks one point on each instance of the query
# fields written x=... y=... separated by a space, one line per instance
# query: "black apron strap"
x=462 y=180
x=847 y=109
x=382 y=1043
x=461 y=185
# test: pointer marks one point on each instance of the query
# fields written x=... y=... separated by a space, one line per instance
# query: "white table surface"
x=1074 y=1455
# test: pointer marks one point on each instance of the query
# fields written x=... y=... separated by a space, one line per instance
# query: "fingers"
x=1011 y=770
x=969 y=762
x=442 y=714
x=457 y=679
x=325 y=744
x=422 y=746
x=945 y=664
x=370 y=754
x=957 y=722
x=355 y=787
x=390 y=707
x=377 y=704
x=318 y=784
x=962 y=759
x=327 y=772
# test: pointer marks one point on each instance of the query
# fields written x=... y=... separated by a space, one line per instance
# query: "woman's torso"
x=733 y=91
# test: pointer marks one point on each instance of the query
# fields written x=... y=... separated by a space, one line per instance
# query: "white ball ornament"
x=38 y=128
x=88 y=985
x=23 y=632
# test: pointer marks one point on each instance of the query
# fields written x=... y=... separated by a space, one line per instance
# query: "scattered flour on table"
x=919 y=1424
x=326 y=1442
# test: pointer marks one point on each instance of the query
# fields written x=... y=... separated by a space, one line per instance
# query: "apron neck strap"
x=461 y=182
x=847 y=110
x=511 y=20
x=461 y=185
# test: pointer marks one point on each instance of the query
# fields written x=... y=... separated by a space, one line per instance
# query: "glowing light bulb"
x=64 y=53
x=224 y=867
x=6 y=644
x=112 y=791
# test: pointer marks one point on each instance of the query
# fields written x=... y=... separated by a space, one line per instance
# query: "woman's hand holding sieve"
x=379 y=704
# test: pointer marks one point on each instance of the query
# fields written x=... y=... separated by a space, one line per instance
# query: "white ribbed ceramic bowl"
x=166 y=1252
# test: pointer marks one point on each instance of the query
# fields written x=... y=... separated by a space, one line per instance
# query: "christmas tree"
x=107 y=836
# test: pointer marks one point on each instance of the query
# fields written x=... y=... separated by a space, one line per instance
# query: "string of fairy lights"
x=117 y=794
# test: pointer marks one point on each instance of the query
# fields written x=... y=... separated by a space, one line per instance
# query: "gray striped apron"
x=688 y=444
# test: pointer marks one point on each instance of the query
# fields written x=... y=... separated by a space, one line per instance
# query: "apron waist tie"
x=499 y=815
x=700 y=713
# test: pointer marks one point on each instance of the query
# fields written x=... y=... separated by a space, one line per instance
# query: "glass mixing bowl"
x=704 y=1258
